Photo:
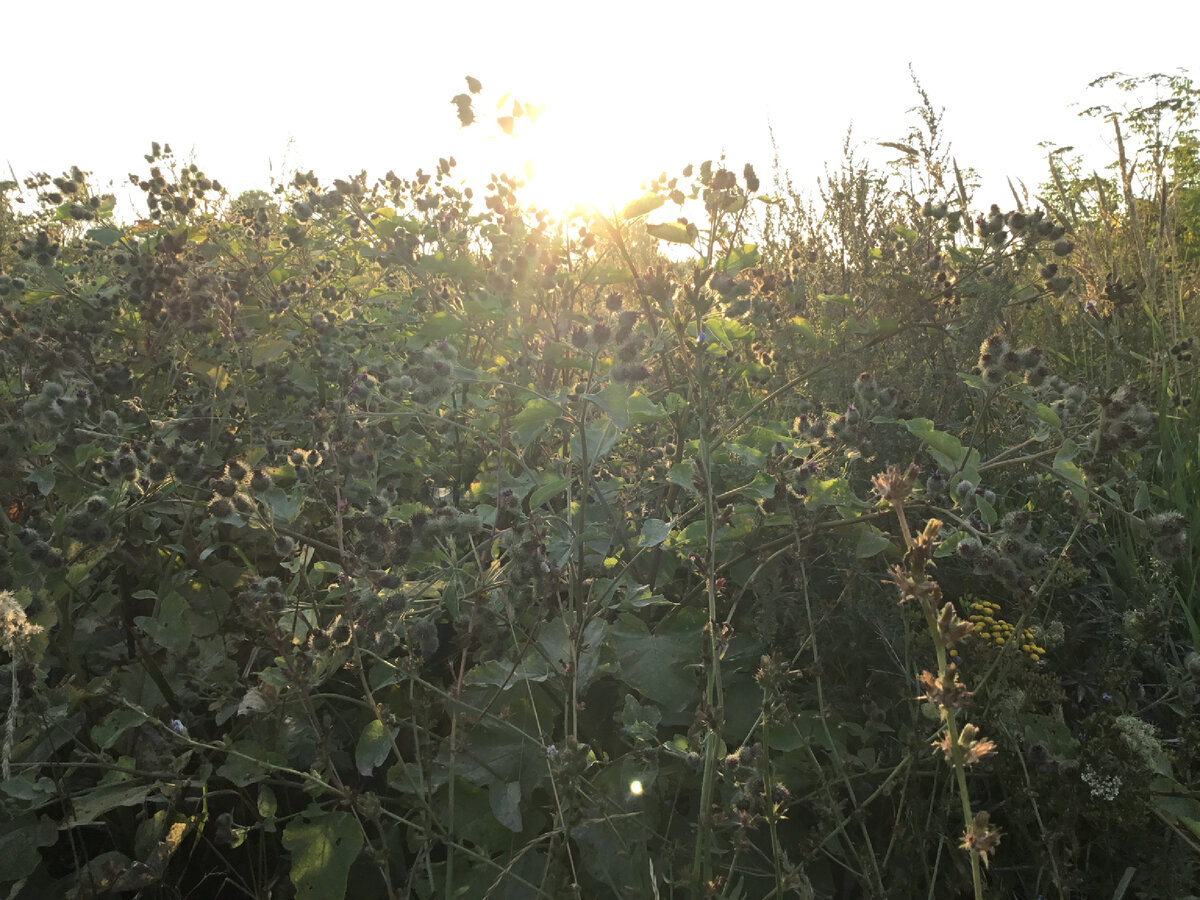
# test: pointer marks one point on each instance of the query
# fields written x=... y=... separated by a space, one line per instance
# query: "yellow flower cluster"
x=998 y=632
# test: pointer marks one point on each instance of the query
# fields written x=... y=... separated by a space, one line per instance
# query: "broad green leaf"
x=505 y=800
x=749 y=455
x=626 y=408
x=437 y=326
x=323 y=846
x=870 y=541
x=107 y=797
x=503 y=674
x=105 y=236
x=115 y=724
x=530 y=422
x=44 y=479
x=833 y=492
x=284 y=506
x=601 y=436
x=27 y=787
x=640 y=721
x=553 y=486
x=683 y=473
x=269 y=350
x=947 y=544
x=654 y=532
x=1047 y=415
x=987 y=512
x=1141 y=500
x=739 y=258
x=673 y=232
x=169 y=627
x=642 y=206
x=662 y=666
x=949 y=452
x=726 y=331
x=374 y=746
x=800 y=327
x=19 y=843
x=249 y=762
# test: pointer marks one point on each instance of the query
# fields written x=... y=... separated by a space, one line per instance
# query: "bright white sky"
x=256 y=88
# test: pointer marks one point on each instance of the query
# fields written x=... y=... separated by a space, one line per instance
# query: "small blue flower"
x=178 y=727
x=1106 y=697
x=701 y=337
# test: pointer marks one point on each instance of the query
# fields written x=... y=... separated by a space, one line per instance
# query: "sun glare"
x=569 y=161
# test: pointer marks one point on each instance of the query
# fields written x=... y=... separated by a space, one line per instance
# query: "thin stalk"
x=956 y=753
x=713 y=689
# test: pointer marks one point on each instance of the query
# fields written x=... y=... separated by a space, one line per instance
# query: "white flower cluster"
x=1104 y=787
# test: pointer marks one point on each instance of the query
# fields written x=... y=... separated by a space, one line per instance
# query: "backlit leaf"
x=673 y=232
x=323 y=846
x=642 y=206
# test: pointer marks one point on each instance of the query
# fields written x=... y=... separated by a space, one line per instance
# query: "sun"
x=572 y=163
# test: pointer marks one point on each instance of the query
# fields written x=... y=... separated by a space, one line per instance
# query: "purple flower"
x=701 y=337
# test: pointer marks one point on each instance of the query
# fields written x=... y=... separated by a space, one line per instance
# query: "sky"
x=256 y=90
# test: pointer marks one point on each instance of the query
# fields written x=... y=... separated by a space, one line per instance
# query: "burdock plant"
x=960 y=748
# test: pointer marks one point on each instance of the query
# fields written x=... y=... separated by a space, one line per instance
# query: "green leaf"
x=987 y=512
x=654 y=532
x=642 y=206
x=284 y=506
x=105 y=236
x=437 y=326
x=530 y=422
x=553 y=486
x=266 y=804
x=43 y=478
x=505 y=800
x=169 y=627
x=833 y=492
x=673 y=232
x=870 y=541
x=683 y=473
x=749 y=455
x=323 y=846
x=19 y=843
x=601 y=436
x=115 y=724
x=744 y=257
x=947 y=544
x=503 y=674
x=248 y=763
x=661 y=666
x=626 y=408
x=1071 y=473
x=948 y=450
x=1141 y=500
x=374 y=746
x=269 y=350
x=108 y=797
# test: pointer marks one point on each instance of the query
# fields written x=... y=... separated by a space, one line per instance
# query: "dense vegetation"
x=394 y=536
